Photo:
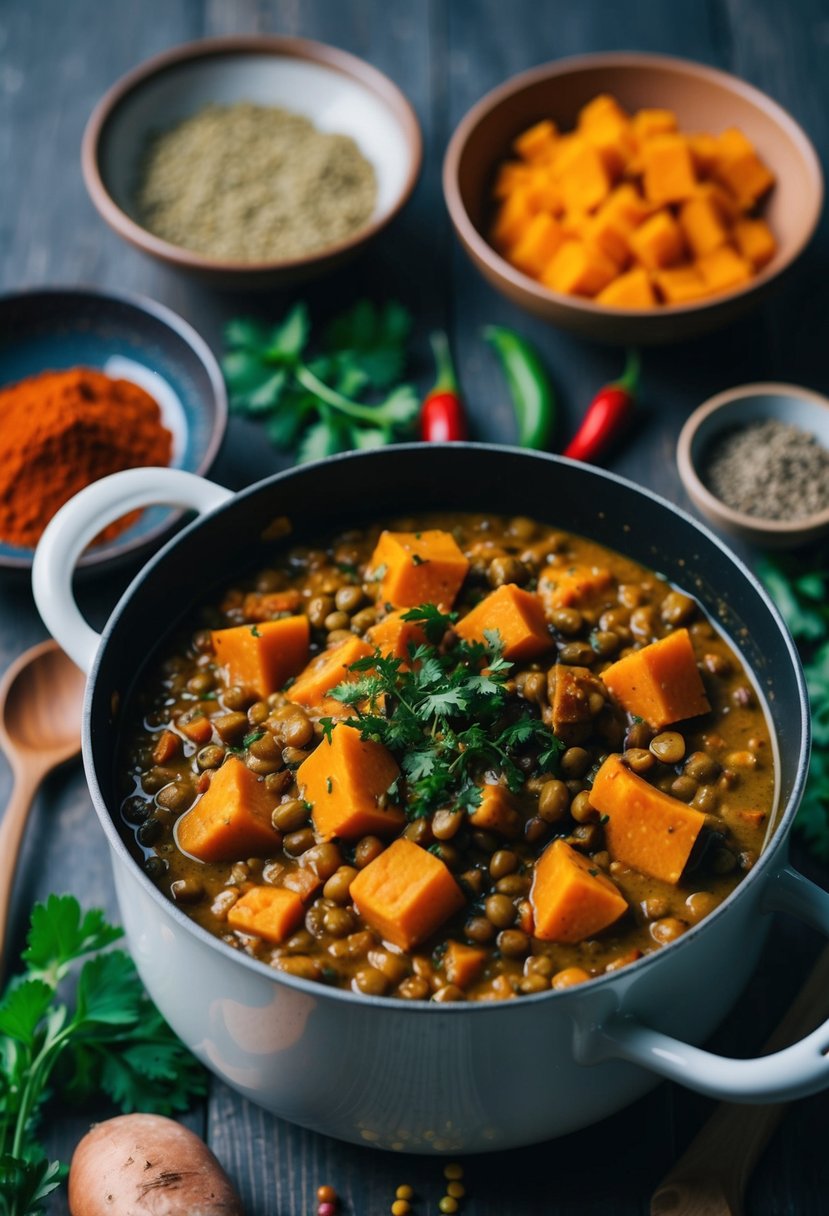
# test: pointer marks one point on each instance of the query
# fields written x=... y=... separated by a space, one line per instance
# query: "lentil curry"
x=463 y=758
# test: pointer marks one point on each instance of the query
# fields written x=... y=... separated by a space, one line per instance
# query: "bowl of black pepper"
x=252 y=161
x=755 y=461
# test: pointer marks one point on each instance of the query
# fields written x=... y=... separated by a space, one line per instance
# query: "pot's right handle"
x=81 y=519
x=794 y=1072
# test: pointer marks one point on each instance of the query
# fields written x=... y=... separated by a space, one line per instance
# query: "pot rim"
x=317 y=990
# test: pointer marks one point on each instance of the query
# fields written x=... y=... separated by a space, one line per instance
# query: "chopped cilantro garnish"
x=253 y=737
x=329 y=784
x=255 y=631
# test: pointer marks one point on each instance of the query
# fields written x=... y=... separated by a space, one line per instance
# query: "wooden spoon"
x=40 y=727
x=711 y=1177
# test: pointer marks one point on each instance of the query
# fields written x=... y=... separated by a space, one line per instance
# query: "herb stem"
x=361 y=413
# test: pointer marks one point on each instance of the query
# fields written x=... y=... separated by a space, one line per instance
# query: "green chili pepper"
x=529 y=386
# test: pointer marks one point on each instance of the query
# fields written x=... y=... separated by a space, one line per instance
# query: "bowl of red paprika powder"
x=92 y=383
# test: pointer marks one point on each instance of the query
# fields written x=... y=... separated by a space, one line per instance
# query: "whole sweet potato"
x=145 y=1165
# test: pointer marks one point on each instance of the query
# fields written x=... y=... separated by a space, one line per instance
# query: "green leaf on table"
x=59 y=933
x=287 y=340
x=321 y=439
x=805 y=622
x=367 y=438
x=246 y=333
x=266 y=395
x=109 y=990
x=23 y=1008
x=284 y=425
x=399 y=409
x=24 y=1183
x=375 y=338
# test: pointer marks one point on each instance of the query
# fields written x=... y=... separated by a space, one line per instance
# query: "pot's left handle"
x=81 y=519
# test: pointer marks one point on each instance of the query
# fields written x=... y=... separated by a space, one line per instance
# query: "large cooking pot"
x=408 y=1075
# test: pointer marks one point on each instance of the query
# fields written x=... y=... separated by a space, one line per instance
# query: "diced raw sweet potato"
x=579 y=270
x=537 y=141
x=419 y=568
x=661 y=682
x=755 y=242
x=571 y=586
x=669 y=173
x=681 y=285
x=645 y=828
x=266 y=605
x=702 y=224
x=626 y=207
x=497 y=812
x=571 y=691
x=262 y=657
x=463 y=964
x=393 y=636
x=347 y=781
x=723 y=268
x=606 y=126
x=272 y=913
x=630 y=290
x=598 y=109
x=585 y=178
x=571 y=898
x=537 y=245
x=326 y=671
x=405 y=894
x=658 y=242
x=650 y=122
x=511 y=176
x=517 y=616
x=232 y=820
x=704 y=151
x=738 y=167
x=513 y=216
x=610 y=235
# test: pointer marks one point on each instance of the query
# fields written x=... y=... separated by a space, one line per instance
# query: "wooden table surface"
x=56 y=59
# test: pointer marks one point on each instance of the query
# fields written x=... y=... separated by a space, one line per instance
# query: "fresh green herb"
x=347 y=395
x=417 y=560
x=253 y=737
x=113 y=1040
x=329 y=784
x=800 y=587
x=447 y=714
x=255 y=631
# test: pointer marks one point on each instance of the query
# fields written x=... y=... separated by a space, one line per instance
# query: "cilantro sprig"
x=448 y=715
x=799 y=585
x=347 y=395
x=111 y=1038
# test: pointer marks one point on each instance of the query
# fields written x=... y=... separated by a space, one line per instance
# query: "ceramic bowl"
x=738 y=407
x=133 y=339
x=335 y=90
x=704 y=99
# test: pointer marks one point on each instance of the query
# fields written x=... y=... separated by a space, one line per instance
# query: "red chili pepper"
x=442 y=417
x=607 y=415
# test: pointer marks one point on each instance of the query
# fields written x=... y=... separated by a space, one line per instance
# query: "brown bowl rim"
x=481 y=248
x=307 y=49
x=715 y=507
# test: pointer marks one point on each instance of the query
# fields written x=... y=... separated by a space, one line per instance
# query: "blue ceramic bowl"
x=131 y=338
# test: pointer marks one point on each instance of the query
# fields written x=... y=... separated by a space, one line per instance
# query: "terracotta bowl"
x=336 y=91
x=704 y=99
x=738 y=407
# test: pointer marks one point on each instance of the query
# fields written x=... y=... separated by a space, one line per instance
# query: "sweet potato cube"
x=681 y=285
x=405 y=894
x=267 y=605
x=702 y=225
x=511 y=176
x=645 y=828
x=585 y=178
x=704 y=151
x=272 y=913
x=347 y=782
x=263 y=656
x=533 y=251
x=231 y=820
x=419 y=568
x=626 y=207
x=571 y=689
x=630 y=290
x=724 y=201
x=516 y=615
x=668 y=166
x=325 y=671
x=393 y=636
x=661 y=682
x=573 y=585
x=738 y=167
x=606 y=126
x=463 y=964
x=658 y=241
x=497 y=812
x=514 y=214
x=543 y=191
x=537 y=141
x=755 y=242
x=649 y=122
x=609 y=235
x=571 y=898
x=723 y=268
x=598 y=110
x=579 y=270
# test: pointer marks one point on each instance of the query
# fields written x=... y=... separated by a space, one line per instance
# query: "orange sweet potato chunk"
x=669 y=172
x=231 y=820
x=463 y=964
x=326 y=671
x=571 y=898
x=645 y=828
x=418 y=568
x=572 y=717
x=393 y=636
x=272 y=913
x=497 y=812
x=516 y=615
x=346 y=781
x=265 y=605
x=405 y=894
x=661 y=682
x=265 y=655
x=630 y=290
x=573 y=585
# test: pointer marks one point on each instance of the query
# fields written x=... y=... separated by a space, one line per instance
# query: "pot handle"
x=81 y=519
x=794 y=1072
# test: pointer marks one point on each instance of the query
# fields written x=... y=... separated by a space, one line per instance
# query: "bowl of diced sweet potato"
x=632 y=198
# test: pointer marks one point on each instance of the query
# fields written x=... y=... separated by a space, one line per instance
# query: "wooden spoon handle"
x=11 y=836
x=711 y=1176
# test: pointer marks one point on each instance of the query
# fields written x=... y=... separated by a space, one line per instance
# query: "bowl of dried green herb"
x=755 y=462
x=252 y=161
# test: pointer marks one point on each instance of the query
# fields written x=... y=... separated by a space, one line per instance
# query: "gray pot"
x=417 y=1076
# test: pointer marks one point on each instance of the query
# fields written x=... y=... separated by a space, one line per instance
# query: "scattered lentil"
x=400 y=1207
x=453 y=1171
x=448 y=1205
x=404 y=1192
x=456 y=1190
x=770 y=470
